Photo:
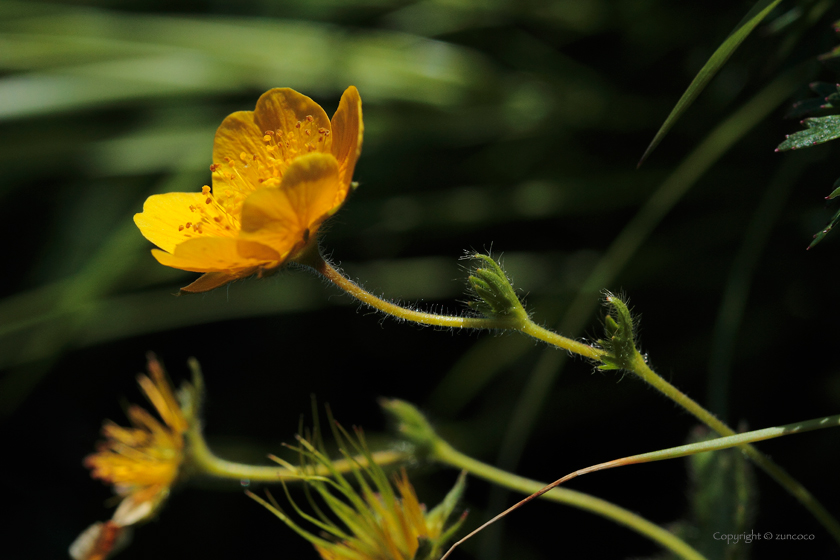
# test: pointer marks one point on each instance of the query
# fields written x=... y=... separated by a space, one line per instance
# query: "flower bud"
x=493 y=290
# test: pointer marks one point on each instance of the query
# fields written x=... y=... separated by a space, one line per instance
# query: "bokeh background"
x=489 y=124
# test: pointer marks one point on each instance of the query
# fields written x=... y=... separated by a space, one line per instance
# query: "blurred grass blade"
x=107 y=57
x=717 y=60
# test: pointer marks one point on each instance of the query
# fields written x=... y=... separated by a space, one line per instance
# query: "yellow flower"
x=389 y=528
x=142 y=463
x=376 y=523
x=279 y=171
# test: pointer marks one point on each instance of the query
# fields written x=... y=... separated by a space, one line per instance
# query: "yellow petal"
x=283 y=108
x=218 y=254
x=238 y=133
x=347 y=131
x=213 y=280
x=164 y=213
x=284 y=217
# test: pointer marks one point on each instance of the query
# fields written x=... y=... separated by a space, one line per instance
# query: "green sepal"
x=411 y=424
x=493 y=290
x=619 y=340
x=425 y=549
x=441 y=512
x=438 y=518
x=190 y=394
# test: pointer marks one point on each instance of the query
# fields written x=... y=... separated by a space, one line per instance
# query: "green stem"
x=640 y=368
x=672 y=453
x=202 y=461
x=443 y=452
x=390 y=308
x=636 y=365
x=550 y=337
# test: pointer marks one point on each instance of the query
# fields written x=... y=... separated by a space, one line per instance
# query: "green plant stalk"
x=636 y=365
x=445 y=453
x=507 y=323
x=662 y=454
x=626 y=245
x=201 y=461
x=640 y=368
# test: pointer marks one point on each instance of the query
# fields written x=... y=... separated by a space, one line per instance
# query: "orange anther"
x=189 y=224
x=205 y=190
x=180 y=228
x=208 y=201
x=214 y=167
x=310 y=118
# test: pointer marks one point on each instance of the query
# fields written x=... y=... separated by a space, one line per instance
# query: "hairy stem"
x=423 y=318
x=202 y=461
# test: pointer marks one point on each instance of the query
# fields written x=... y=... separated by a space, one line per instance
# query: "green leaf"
x=820 y=129
x=819 y=236
x=758 y=12
x=836 y=190
x=831 y=59
x=828 y=97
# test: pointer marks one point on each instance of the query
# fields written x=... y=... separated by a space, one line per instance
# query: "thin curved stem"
x=445 y=453
x=640 y=368
x=453 y=321
x=637 y=366
x=202 y=461
x=663 y=454
x=391 y=308
x=624 y=248
x=550 y=337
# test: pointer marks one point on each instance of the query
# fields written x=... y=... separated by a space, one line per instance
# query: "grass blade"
x=717 y=60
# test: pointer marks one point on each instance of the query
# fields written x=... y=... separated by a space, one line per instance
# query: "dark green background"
x=497 y=124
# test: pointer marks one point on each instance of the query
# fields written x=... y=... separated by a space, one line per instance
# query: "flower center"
x=266 y=167
x=214 y=216
x=235 y=179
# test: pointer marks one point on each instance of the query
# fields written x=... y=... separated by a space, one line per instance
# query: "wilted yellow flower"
x=375 y=522
x=279 y=171
x=141 y=463
x=391 y=528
